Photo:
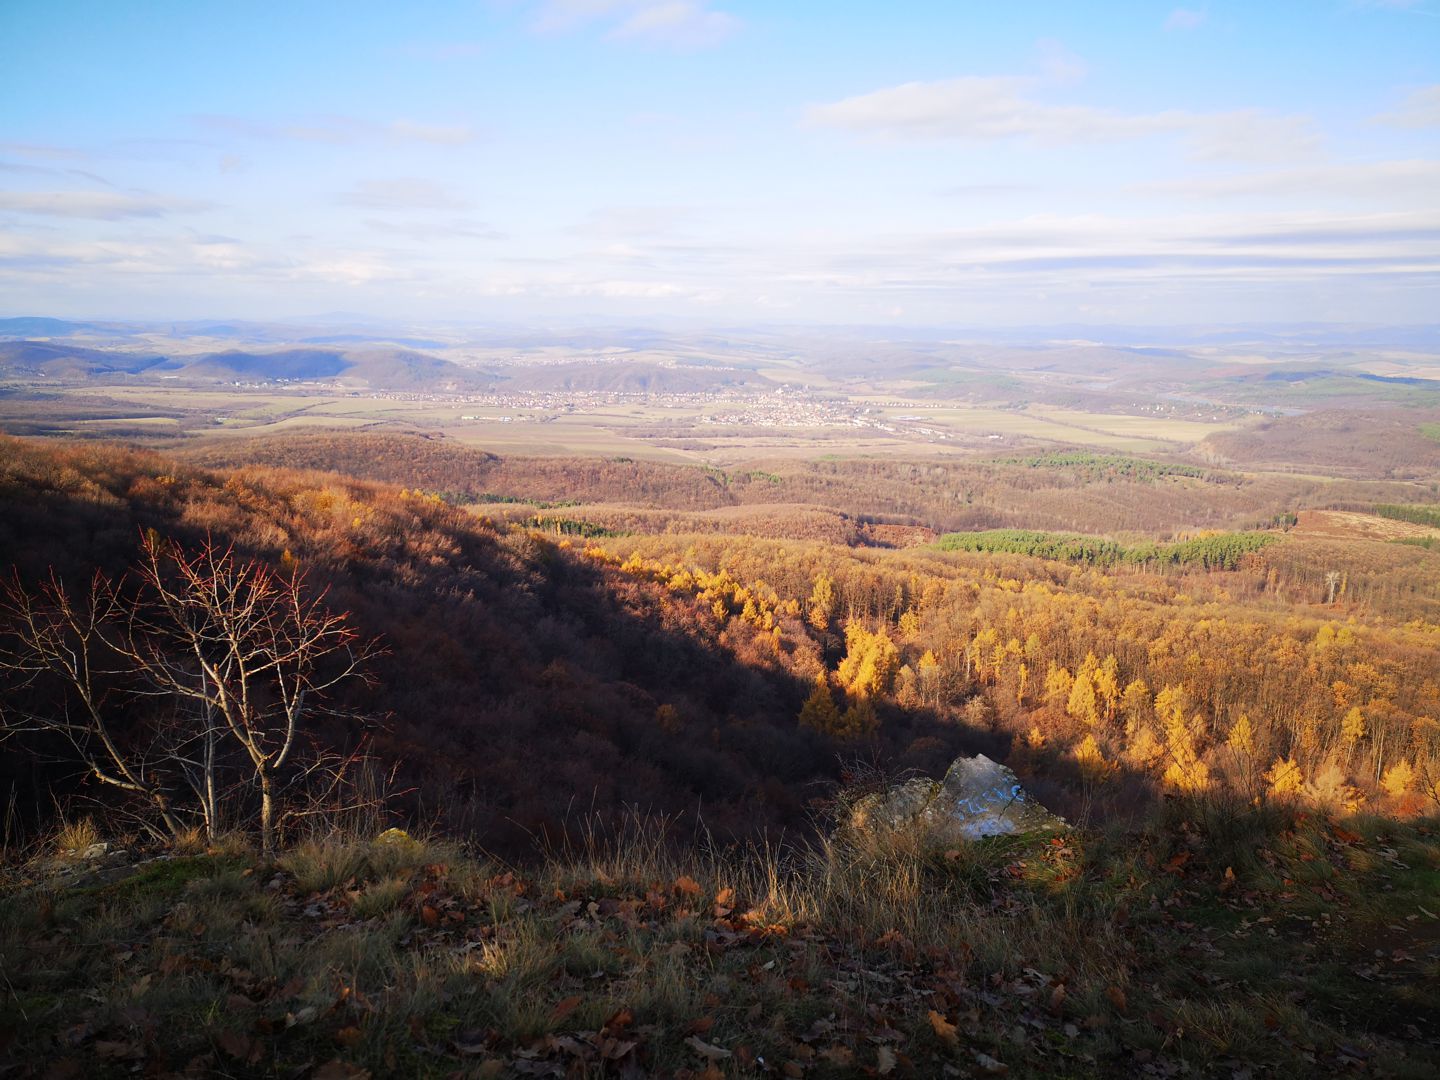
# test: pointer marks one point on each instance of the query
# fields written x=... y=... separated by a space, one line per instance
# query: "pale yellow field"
x=665 y=431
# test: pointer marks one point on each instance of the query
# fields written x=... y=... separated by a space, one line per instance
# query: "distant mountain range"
x=345 y=329
x=376 y=367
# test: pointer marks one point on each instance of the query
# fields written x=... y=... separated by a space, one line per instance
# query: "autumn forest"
x=615 y=675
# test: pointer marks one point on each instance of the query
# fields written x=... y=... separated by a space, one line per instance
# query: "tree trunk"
x=267 y=816
x=168 y=818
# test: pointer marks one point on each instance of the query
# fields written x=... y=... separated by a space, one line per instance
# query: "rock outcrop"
x=977 y=798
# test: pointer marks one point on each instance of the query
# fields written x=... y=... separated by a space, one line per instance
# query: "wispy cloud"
x=1047 y=251
x=405 y=193
x=95 y=205
x=432 y=231
x=628 y=223
x=1058 y=64
x=1421 y=109
x=1185 y=19
x=999 y=107
x=339 y=130
x=1412 y=7
x=439 y=134
x=1380 y=181
x=681 y=24
x=44 y=153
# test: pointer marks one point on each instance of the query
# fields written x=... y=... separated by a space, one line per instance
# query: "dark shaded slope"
x=28 y=358
x=523 y=684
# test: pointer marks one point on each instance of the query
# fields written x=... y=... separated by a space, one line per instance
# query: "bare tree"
x=245 y=655
x=72 y=641
x=246 y=646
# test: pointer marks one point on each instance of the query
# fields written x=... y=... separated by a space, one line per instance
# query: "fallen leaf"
x=943 y=1028
x=700 y=1025
x=707 y=1050
x=238 y=1046
x=839 y=1055
x=429 y=916
x=615 y=1049
x=472 y=1042
x=348 y=1035
x=340 y=1070
x=119 y=1050
x=565 y=1006
x=1116 y=996
x=884 y=1061
x=990 y=1065
x=687 y=886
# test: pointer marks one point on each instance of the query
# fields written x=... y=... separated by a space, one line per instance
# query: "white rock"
x=977 y=798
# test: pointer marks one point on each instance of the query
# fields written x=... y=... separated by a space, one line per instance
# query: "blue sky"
x=723 y=161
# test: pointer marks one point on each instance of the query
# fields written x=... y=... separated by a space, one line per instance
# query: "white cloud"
x=1252 y=135
x=681 y=24
x=624 y=223
x=1381 y=181
x=1421 y=109
x=432 y=231
x=192 y=259
x=1185 y=19
x=405 y=193
x=95 y=205
x=439 y=134
x=997 y=107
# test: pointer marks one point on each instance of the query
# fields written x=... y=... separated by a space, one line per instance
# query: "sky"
x=723 y=161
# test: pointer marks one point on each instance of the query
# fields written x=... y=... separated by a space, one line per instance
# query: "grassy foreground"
x=1214 y=942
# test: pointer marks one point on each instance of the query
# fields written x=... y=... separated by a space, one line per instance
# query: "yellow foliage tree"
x=1135 y=705
x=1107 y=685
x=1090 y=758
x=1084 y=703
x=871 y=662
x=1352 y=728
x=1058 y=684
x=859 y=720
x=1398 y=778
x=1242 y=736
x=822 y=602
x=819 y=711
x=1145 y=749
x=927 y=672
x=1285 y=777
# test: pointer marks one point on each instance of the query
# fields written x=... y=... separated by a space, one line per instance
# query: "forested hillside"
x=1075 y=492
x=724 y=676
x=664 y=733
